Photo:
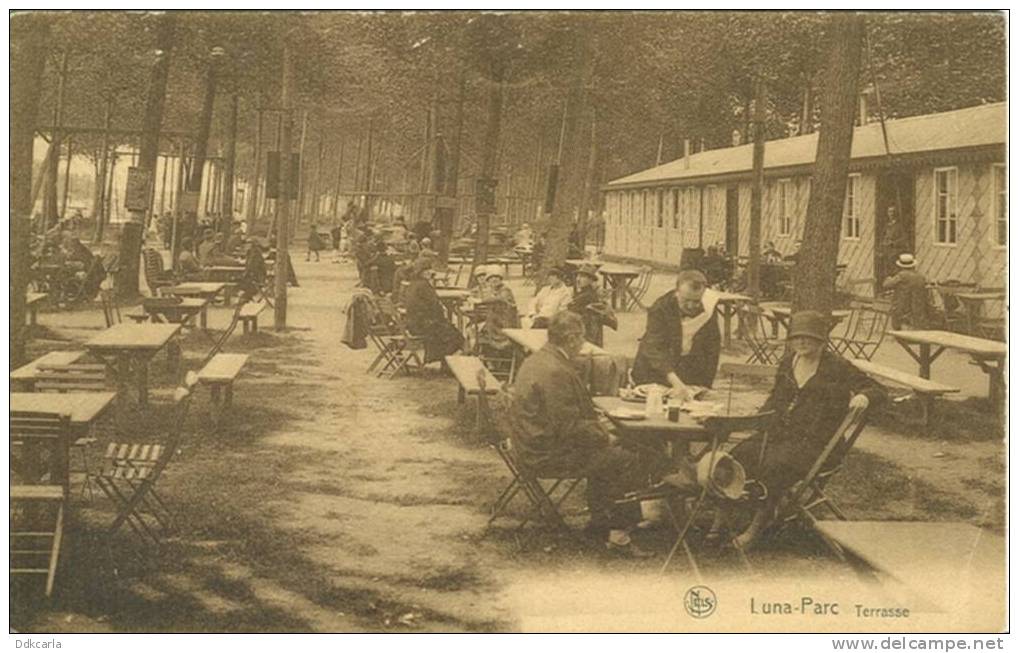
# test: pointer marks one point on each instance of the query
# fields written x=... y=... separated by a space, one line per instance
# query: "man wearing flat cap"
x=682 y=341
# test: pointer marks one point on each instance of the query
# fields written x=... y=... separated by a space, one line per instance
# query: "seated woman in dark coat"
x=813 y=392
x=500 y=313
x=425 y=316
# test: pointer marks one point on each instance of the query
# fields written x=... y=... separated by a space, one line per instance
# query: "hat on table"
x=721 y=474
x=906 y=261
x=809 y=324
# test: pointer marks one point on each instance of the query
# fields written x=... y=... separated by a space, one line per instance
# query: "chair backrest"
x=223 y=337
x=838 y=446
x=47 y=430
x=111 y=312
x=755 y=322
x=77 y=377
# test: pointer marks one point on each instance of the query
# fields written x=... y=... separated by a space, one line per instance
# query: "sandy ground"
x=370 y=501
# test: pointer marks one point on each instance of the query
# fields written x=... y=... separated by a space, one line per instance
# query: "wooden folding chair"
x=865 y=330
x=635 y=292
x=755 y=323
x=545 y=495
x=502 y=368
x=130 y=472
x=37 y=503
x=111 y=312
x=808 y=495
x=156 y=276
x=398 y=350
x=76 y=377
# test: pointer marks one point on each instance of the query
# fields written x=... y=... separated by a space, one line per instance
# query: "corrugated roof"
x=971 y=127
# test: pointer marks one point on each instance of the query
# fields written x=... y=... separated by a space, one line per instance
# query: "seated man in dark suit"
x=557 y=433
x=682 y=341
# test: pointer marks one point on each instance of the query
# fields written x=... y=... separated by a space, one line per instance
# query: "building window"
x=851 y=211
x=1001 y=205
x=675 y=208
x=946 y=214
x=661 y=209
x=785 y=206
x=632 y=209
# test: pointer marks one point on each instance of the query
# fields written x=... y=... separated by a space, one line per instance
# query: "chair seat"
x=37 y=493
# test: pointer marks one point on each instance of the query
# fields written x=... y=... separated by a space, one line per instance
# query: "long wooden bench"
x=23 y=379
x=248 y=316
x=465 y=369
x=925 y=389
x=219 y=374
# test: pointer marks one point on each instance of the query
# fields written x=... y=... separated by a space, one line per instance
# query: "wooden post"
x=589 y=183
x=162 y=185
x=283 y=203
x=448 y=216
x=757 y=194
x=489 y=153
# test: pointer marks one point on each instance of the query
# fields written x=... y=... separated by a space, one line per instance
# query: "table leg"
x=925 y=360
x=142 y=369
x=33 y=316
x=726 y=325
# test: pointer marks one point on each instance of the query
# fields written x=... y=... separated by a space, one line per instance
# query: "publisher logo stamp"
x=700 y=602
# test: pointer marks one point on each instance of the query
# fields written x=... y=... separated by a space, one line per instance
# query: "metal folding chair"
x=398 y=350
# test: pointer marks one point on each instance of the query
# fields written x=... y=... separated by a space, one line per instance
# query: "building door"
x=893 y=199
x=732 y=220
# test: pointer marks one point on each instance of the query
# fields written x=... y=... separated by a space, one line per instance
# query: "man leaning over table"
x=682 y=341
x=556 y=433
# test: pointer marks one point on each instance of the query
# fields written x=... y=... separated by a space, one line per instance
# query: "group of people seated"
x=556 y=431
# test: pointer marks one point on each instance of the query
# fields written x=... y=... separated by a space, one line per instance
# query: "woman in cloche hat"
x=814 y=389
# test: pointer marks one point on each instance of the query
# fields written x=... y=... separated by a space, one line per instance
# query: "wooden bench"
x=465 y=369
x=925 y=389
x=248 y=316
x=219 y=374
x=23 y=379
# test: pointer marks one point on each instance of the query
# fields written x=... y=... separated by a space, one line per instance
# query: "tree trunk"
x=152 y=121
x=29 y=42
x=283 y=195
x=67 y=178
x=490 y=151
x=756 y=195
x=570 y=181
x=814 y=277
x=339 y=179
x=589 y=182
x=446 y=216
x=197 y=169
x=227 y=218
x=50 y=213
x=252 y=204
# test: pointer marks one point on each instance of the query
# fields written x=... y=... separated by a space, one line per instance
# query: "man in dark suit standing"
x=682 y=341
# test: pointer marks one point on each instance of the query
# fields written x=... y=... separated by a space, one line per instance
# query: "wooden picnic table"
x=23 y=378
x=205 y=289
x=181 y=313
x=617 y=278
x=727 y=307
x=782 y=312
x=32 y=301
x=989 y=355
x=975 y=302
x=82 y=408
x=225 y=273
x=451 y=299
x=534 y=339
x=128 y=348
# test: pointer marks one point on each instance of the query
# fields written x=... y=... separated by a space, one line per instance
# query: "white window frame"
x=953 y=209
x=1000 y=199
x=785 y=222
x=851 y=218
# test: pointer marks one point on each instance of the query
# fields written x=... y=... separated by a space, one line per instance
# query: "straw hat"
x=810 y=324
x=906 y=261
x=721 y=474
